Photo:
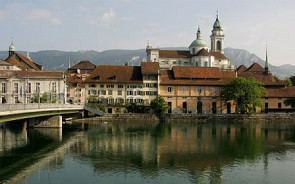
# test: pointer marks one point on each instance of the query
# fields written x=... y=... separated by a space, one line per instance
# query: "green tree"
x=246 y=94
x=289 y=83
x=290 y=101
x=160 y=107
x=45 y=98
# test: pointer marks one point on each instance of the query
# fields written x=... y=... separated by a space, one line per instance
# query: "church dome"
x=11 y=47
x=198 y=43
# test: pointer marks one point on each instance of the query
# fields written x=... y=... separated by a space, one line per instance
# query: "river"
x=148 y=152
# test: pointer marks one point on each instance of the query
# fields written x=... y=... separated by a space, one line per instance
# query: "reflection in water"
x=154 y=153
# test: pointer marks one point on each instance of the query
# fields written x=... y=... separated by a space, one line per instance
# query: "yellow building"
x=195 y=89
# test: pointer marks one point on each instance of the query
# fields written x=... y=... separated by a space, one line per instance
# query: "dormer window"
x=113 y=78
x=96 y=77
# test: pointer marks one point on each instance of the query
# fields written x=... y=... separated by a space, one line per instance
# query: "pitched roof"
x=265 y=79
x=84 y=65
x=218 y=55
x=241 y=68
x=14 y=61
x=255 y=67
x=27 y=60
x=174 y=54
x=115 y=74
x=40 y=74
x=149 y=68
x=4 y=63
x=286 y=92
x=203 y=52
x=196 y=72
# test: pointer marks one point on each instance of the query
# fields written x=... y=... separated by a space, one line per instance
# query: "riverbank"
x=285 y=117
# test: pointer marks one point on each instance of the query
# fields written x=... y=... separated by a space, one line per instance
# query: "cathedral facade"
x=198 y=53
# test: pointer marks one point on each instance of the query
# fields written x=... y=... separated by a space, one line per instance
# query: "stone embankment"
x=285 y=117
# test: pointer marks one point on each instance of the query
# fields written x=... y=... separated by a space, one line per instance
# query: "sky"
x=72 y=25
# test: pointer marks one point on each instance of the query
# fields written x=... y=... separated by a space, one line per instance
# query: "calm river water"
x=105 y=152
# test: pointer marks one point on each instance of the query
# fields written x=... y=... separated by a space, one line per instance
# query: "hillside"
x=59 y=60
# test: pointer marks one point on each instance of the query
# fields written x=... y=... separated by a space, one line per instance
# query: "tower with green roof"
x=217 y=37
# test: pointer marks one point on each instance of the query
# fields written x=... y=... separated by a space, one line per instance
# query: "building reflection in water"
x=198 y=148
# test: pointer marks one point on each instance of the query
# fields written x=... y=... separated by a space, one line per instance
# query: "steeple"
x=266 y=64
x=199 y=33
x=217 y=37
x=11 y=50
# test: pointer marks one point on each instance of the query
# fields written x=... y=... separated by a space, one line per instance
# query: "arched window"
x=194 y=50
x=218 y=45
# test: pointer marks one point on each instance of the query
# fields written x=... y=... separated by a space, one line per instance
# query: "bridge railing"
x=15 y=107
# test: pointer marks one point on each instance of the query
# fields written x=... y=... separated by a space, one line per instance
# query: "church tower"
x=11 y=51
x=217 y=37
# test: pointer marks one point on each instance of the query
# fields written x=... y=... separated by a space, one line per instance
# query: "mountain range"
x=59 y=60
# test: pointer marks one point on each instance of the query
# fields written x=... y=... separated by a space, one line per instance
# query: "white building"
x=198 y=53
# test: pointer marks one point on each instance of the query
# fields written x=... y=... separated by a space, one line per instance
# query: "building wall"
x=191 y=95
x=21 y=96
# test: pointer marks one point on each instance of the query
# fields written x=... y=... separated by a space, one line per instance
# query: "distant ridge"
x=58 y=60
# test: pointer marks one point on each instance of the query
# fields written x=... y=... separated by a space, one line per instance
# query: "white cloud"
x=109 y=16
x=106 y=19
x=2 y=14
x=41 y=15
x=55 y=21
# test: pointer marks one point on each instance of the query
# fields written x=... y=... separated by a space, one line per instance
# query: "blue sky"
x=72 y=25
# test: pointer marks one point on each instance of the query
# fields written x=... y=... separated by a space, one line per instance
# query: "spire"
x=199 y=33
x=217 y=15
x=69 y=61
x=266 y=63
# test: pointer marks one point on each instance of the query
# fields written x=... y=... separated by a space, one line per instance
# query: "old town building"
x=197 y=55
x=21 y=79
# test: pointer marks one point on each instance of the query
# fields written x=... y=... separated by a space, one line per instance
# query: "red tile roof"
x=84 y=65
x=286 y=92
x=115 y=74
x=218 y=55
x=196 y=72
x=40 y=74
x=5 y=63
x=167 y=77
x=27 y=61
x=255 y=67
x=241 y=68
x=203 y=52
x=13 y=60
x=174 y=54
x=149 y=68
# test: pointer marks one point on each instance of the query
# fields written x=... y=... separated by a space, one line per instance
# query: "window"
x=151 y=85
x=120 y=86
x=266 y=98
x=199 y=90
x=110 y=92
x=110 y=101
x=206 y=64
x=169 y=97
x=218 y=45
x=16 y=99
x=54 y=87
x=279 y=105
x=110 y=86
x=279 y=98
x=3 y=89
x=101 y=86
x=129 y=92
x=15 y=88
x=92 y=92
x=29 y=88
x=213 y=90
x=103 y=92
x=184 y=90
x=169 y=89
x=194 y=50
x=28 y=99
x=92 y=85
x=121 y=100
x=119 y=92
x=38 y=86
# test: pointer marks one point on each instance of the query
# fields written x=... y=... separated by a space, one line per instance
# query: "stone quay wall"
x=284 y=117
